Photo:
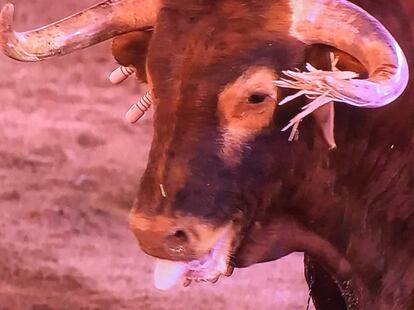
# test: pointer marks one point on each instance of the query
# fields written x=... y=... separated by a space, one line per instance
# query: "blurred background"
x=69 y=169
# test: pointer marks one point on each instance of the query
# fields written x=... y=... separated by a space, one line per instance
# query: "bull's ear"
x=131 y=50
x=319 y=56
x=325 y=120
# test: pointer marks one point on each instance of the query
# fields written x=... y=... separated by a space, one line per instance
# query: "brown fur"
x=240 y=119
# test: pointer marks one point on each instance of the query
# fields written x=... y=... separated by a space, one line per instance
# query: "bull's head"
x=211 y=67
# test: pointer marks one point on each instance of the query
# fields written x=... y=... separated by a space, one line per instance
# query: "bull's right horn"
x=347 y=27
x=91 y=26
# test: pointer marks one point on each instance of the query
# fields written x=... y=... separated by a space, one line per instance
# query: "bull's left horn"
x=91 y=26
x=347 y=27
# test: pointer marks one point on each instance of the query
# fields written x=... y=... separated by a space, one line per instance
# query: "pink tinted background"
x=69 y=169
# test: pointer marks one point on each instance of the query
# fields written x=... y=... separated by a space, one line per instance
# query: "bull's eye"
x=257 y=98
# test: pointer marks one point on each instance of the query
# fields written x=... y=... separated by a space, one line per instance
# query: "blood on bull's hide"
x=225 y=187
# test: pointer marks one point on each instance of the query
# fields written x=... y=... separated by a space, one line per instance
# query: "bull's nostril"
x=177 y=242
x=180 y=236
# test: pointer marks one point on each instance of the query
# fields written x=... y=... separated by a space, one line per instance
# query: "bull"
x=225 y=186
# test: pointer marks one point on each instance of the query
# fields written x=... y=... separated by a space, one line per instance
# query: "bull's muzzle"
x=172 y=245
x=176 y=238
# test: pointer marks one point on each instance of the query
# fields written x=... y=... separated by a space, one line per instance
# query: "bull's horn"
x=96 y=24
x=346 y=26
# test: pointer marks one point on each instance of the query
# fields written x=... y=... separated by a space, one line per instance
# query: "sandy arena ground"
x=69 y=169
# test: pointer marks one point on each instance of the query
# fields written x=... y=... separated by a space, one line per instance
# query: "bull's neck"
x=308 y=215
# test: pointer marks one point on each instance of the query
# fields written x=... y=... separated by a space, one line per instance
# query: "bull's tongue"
x=168 y=273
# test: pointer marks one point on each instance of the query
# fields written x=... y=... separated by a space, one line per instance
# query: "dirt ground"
x=69 y=169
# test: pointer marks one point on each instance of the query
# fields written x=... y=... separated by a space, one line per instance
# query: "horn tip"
x=6 y=22
x=6 y=17
x=8 y=37
x=6 y=28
